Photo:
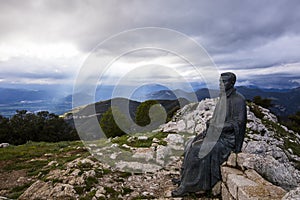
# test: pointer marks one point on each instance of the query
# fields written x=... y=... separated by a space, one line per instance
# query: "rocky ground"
x=141 y=166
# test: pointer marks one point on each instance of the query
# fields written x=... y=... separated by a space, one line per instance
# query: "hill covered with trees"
x=42 y=126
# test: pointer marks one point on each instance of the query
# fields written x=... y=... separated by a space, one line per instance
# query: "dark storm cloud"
x=247 y=35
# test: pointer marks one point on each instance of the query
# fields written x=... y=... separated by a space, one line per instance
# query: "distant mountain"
x=102 y=106
x=31 y=100
x=144 y=92
x=9 y=95
x=85 y=115
x=285 y=102
x=191 y=96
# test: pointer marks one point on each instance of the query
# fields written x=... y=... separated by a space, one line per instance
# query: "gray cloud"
x=246 y=35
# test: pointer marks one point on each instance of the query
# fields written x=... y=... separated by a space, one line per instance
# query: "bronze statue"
x=224 y=134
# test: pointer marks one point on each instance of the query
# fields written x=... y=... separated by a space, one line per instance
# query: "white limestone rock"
x=292 y=195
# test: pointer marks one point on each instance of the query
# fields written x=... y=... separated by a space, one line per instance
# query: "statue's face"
x=225 y=83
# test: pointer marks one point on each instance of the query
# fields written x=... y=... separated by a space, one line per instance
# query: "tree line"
x=42 y=126
x=142 y=118
x=111 y=129
x=48 y=127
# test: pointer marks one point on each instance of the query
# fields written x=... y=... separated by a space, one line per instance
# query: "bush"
x=144 y=112
x=266 y=103
x=293 y=122
x=109 y=125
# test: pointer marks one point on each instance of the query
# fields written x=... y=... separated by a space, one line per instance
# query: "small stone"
x=76 y=172
x=4 y=145
x=155 y=140
x=126 y=146
x=290 y=150
x=100 y=192
x=53 y=162
x=114 y=145
x=142 y=137
x=131 y=139
x=145 y=193
x=231 y=161
x=216 y=190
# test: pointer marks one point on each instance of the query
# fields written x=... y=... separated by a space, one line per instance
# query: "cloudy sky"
x=48 y=42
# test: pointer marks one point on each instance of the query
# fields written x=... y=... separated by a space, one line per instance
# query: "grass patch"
x=89 y=195
x=33 y=157
x=126 y=190
x=79 y=189
x=32 y=167
x=112 y=192
x=18 y=190
x=90 y=182
x=36 y=149
x=124 y=174
x=292 y=145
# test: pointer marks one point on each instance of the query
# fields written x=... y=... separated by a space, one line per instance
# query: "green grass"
x=33 y=158
x=90 y=182
x=36 y=149
x=113 y=193
x=89 y=195
x=18 y=190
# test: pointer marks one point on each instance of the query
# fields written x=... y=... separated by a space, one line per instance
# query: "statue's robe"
x=203 y=172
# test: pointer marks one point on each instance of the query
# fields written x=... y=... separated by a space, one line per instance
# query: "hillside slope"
x=141 y=166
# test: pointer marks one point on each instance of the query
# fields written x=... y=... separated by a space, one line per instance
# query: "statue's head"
x=228 y=80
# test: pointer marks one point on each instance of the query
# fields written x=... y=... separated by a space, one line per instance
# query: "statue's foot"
x=179 y=192
x=176 y=181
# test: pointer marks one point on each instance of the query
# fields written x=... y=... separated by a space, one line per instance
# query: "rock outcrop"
x=239 y=182
x=267 y=144
x=266 y=168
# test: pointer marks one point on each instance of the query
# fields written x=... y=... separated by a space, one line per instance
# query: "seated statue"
x=225 y=132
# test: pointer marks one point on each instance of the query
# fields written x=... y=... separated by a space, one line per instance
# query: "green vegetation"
x=143 y=111
x=255 y=109
x=32 y=160
x=89 y=195
x=90 y=182
x=43 y=126
x=266 y=103
x=32 y=157
x=292 y=122
x=109 y=125
x=18 y=190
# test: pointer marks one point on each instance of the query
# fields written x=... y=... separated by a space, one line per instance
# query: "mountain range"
x=284 y=102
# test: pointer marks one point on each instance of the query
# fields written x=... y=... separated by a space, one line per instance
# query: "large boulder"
x=48 y=191
x=282 y=174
